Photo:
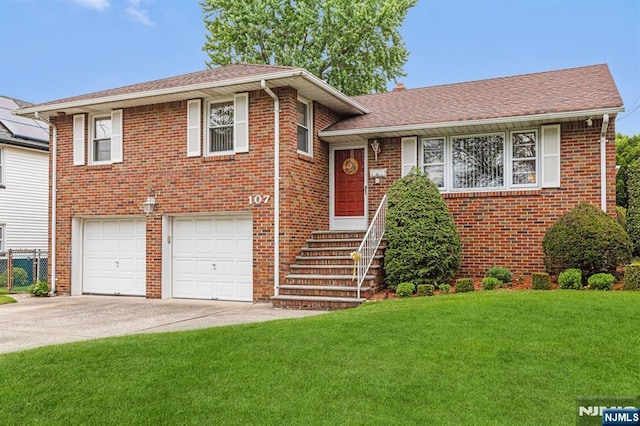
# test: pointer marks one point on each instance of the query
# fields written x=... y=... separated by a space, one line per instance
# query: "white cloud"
x=93 y=4
x=139 y=14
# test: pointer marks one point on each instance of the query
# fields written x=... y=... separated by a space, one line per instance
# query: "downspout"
x=276 y=188
x=54 y=196
x=603 y=162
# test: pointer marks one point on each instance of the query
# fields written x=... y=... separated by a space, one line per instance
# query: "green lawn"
x=6 y=299
x=495 y=357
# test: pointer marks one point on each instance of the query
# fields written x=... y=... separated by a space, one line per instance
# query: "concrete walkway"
x=34 y=321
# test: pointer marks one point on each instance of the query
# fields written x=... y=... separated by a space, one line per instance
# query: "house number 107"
x=259 y=199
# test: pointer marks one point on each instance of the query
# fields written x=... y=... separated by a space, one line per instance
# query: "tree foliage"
x=627 y=152
x=423 y=245
x=633 y=212
x=588 y=239
x=354 y=45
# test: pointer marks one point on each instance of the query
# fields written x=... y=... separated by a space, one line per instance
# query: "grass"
x=476 y=358
x=6 y=299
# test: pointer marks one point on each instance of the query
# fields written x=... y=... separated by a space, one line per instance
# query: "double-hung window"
x=226 y=126
x=305 y=131
x=101 y=139
x=494 y=161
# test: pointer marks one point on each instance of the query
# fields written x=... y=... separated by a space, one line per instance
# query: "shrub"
x=601 y=281
x=445 y=288
x=423 y=245
x=588 y=239
x=633 y=211
x=621 y=216
x=464 y=284
x=425 y=289
x=570 y=279
x=40 y=289
x=489 y=283
x=501 y=273
x=405 y=289
x=632 y=277
x=20 y=278
x=540 y=281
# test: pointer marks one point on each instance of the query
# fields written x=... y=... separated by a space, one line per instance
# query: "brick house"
x=258 y=179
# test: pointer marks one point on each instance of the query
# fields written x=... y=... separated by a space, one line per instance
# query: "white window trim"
x=309 y=105
x=536 y=158
x=508 y=171
x=445 y=158
x=3 y=154
x=92 y=119
x=207 y=138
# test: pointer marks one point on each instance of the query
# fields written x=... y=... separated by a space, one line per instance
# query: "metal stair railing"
x=363 y=257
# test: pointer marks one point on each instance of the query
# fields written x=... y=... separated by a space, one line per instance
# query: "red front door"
x=349 y=182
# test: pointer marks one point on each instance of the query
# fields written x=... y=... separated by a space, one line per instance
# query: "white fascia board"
x=194 y=87
x=487 y=121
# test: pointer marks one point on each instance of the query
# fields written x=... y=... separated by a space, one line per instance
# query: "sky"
x=53 y=49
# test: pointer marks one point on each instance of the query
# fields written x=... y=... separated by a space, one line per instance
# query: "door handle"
x=214 y=266
x=366 y=190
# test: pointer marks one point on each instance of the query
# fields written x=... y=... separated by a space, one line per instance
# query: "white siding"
x=24 y=202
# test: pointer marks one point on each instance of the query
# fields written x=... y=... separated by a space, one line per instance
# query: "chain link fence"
x=19 y=269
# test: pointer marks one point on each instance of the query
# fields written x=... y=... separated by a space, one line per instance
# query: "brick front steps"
x=322 y=277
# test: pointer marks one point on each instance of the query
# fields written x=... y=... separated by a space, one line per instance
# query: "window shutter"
x=194 y=118
x=241 y=123
x=78 y=140
x=550 y=156
x=116 y=136
x=409 y=154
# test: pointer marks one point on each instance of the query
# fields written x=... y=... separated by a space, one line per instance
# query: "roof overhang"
x=307 y=85
x=467 y=126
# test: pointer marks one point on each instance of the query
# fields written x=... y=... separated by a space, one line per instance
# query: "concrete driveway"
x=34 y=321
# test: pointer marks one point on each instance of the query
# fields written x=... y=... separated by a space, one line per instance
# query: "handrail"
x=370 y=243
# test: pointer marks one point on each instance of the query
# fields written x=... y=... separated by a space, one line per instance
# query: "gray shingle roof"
x=575 y=89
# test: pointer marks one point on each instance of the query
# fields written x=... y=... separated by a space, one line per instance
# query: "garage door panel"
x=114 y=257
x=209 y=241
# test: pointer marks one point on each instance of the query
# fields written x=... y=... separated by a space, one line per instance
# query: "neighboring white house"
x=24 y=179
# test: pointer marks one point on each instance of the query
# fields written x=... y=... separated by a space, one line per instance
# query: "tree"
x=627 y=151
x=354 y=45
x=633 y=213
x=423 y=244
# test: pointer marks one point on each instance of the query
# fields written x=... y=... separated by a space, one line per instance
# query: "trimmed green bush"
x=601 y=281
x=632 y=277
x=40 y=289
x=501 y=273
x=464 y=285
x=633 y=211
x=20 y=278
x=405 y=289
x=425 y=289
x=423 y=245
x=489 y=283
x=570 y=279
x=621 y=216
x=588 y=239
x=445 y=288
x=540 y=281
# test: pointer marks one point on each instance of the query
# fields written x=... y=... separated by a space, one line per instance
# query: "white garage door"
x=213 y=258
x=114 y=257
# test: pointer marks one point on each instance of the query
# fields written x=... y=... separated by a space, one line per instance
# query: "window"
x=433 y=160
x=305 y=119
x=220 y=125
x=226 y=125
x=101 y=139
x=2 y=237
x=1 y=168
x=478 y=161
x=524 y=158
x=486 y=162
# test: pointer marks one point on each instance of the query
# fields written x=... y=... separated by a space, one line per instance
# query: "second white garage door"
x=213 y=258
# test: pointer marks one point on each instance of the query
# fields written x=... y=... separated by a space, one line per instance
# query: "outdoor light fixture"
x=589 y=122
x=150 y=204
x=375 y=146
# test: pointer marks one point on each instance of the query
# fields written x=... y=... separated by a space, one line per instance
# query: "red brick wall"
x=154 y=146
x=506 y=227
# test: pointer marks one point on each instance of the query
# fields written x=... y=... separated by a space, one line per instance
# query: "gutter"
x=486 y=121
x=603 y=162
x=276 y=187
x=54 y=196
